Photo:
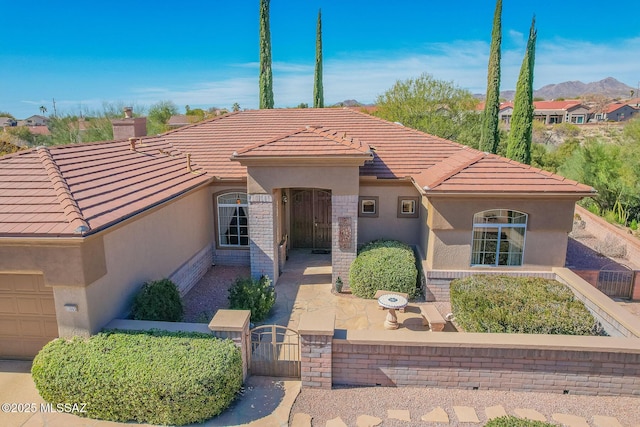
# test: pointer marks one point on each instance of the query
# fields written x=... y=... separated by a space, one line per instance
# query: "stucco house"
x=552 y=112
x=83 y=226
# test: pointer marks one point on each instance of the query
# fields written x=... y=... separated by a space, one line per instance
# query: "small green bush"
x=510 y=421
x=504 y=304
x=634 y=225
x=251 y=294
x=154 y=377
x=158 y=300
x=383 y=264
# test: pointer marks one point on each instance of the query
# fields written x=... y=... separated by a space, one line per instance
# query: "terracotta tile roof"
x=60 y=190
x=309 y=141
x=556 y=105
x=77 y=189
x=489 y=173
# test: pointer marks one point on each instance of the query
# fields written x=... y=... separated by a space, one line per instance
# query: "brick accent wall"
x=519 y=369
x=238 y=257
x=343 y=255
x=192 y=271
x=316 y=362
x=261 y=235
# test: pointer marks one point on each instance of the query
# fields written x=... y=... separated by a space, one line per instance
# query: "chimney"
x=129 y=127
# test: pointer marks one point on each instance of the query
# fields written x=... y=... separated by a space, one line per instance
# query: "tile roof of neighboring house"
x=616 y=106
x=181 y=120
x=39 y=130
x=556 y=105
x=503 y=106
x=60 y=190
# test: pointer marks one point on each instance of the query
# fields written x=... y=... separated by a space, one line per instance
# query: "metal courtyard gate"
x=616 y=280
x=275 y=351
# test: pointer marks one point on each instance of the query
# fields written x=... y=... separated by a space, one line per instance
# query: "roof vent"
x=189 y=162
x=82 y=229
x=132 y=144
x=128 y=112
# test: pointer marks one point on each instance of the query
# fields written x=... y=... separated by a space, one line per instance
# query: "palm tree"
x=43 y=109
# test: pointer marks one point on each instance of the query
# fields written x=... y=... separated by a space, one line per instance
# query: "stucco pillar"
x=344 y=235
x=234 y=325
x=72 y=312
x=262 y=236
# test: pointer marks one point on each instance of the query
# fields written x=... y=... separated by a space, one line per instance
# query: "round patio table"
x=392 y=302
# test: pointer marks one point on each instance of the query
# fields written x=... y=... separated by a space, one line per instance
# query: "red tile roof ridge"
x=354 y=143
x=449 y=167
x=65 y=198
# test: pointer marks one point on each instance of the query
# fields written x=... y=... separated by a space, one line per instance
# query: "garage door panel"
x=8 y=327
x=27 y=315
x=51 y=328
x=28 y=305
x=8 y=305
x=48 y=306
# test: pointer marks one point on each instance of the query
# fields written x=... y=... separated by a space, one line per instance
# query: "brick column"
x=344 y=235
x=261 y=234
x=234 y=325
x=316 y=337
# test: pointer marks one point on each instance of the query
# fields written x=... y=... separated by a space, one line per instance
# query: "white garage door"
x=27 y=315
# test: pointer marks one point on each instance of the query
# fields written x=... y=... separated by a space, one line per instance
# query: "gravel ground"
x=210 y=293
x=349 y=403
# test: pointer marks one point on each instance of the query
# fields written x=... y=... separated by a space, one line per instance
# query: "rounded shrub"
x=383 y=264
x=158 y=300
x=154 y=377
x=251 y=294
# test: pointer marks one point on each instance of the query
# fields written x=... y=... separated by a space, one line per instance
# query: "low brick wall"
x=192 y=271
x=237 y=257
x=556 y=364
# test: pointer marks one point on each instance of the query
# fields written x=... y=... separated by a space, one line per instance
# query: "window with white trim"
x=233 y=224
x=498 y=238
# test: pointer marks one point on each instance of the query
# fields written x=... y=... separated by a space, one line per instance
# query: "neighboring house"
x=7 y=122
x=179 y=120
x=552 y=112
x=83 y=226
x=504 y=113
x=39 y=130
x=34 y=121
x=617 y=112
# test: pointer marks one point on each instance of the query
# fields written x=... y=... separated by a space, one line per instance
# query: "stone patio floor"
x=305 y=286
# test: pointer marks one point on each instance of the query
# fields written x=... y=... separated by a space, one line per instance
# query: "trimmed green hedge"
x=383 y=264
x=155 y=377
x=510 y=421
x=158 y=300
x=533 y=305
x=255 y=295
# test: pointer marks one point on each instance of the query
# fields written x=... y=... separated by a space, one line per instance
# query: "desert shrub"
x=158 y=300
x=383 y=264
x=504 y=304
x=510 y=421
x=251 y=294
x=154 y=377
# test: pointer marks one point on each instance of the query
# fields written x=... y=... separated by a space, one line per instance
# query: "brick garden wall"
x=192 y=271
x=490 y=366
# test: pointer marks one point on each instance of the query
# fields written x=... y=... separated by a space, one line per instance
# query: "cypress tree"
x=318 y=91
x=490 y=135
x=519 y=145
x=266 y=77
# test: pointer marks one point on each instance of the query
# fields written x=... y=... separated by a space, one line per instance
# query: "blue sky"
x=205 y=53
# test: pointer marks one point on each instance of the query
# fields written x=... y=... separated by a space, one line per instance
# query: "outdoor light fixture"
x=284 y=198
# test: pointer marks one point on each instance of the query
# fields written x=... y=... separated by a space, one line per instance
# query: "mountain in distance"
x=609 y=87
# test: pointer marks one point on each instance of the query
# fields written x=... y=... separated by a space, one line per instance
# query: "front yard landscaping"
x=504 y=304
x=155 y=377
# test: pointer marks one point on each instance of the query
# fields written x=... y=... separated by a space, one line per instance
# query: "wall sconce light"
x=284 y=198
x=238 y=201
x=73 y=308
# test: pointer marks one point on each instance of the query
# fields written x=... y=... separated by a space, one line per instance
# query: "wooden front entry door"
x=311 y=219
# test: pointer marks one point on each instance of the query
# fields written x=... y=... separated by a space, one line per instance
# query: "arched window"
x=498 y=237
x=233 y=228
